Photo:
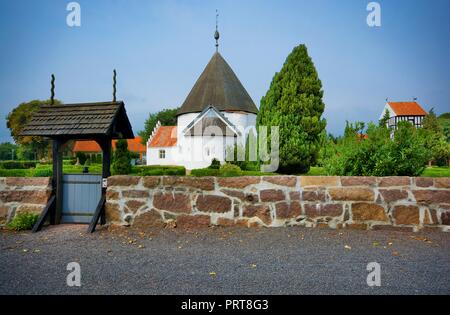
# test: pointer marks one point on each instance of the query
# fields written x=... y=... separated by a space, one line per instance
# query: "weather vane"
x=216 y=34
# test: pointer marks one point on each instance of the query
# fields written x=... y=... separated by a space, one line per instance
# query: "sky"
x=159 y=49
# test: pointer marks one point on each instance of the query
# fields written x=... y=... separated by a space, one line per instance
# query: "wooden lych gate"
x=79 y=198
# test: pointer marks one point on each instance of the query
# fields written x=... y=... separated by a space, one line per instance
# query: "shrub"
x=229 y=170
x=156 y=170
x=23 y=221
x=81 y=158
x=379 y=155
x=215 y=164
x=122 y=158
x=15 y=173
x=201 y=172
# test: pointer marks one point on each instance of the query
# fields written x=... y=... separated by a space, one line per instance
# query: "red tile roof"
x=166 y=136
x=134 y=145
x=407 y=109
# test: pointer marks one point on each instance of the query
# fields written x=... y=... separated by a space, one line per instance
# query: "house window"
x=162 y=154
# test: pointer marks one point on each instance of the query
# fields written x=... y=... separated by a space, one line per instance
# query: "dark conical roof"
x=220 y=87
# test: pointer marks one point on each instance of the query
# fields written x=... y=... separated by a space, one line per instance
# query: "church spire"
x=216 y=34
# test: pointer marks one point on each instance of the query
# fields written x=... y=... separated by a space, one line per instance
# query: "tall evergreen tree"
x=385 y=119
x=294 y=103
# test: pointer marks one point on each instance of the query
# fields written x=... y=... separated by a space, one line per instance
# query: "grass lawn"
x=316 y=171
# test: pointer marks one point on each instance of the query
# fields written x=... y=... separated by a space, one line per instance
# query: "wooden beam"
x=97 y=214
x=49 y=208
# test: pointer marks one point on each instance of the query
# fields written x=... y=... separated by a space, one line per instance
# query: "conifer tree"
x=294 y=103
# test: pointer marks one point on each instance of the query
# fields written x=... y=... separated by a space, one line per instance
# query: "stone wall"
x=390 y=203
x=22 y=194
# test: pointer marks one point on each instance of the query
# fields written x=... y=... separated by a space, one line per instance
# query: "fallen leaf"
x=25 y=250
x=141 y=246
x=37 y=251
x=347 y=247
x=389 y=243
x=395 y=253
x=253 y=265
x=213 y=274
x=376 y=244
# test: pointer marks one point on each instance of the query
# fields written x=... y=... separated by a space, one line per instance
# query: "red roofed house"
x=91 y=147
x=404 y=111
x=162 y=146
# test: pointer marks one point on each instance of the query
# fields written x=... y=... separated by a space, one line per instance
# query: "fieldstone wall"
x=387 y=203
x=22 y=194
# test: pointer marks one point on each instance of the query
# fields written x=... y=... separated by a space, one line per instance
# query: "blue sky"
x=159 y=48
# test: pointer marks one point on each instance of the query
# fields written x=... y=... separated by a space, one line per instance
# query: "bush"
x=215 y=164
x=8 y=165
x=202 y=172
x=379 y=155
x=122 y=159
x=156 y=170
x=23 y=221
x=81 y=157
x=15 y=173
x=229 y=170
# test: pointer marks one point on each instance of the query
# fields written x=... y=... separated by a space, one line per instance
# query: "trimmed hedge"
x=156 y=170
x=203 y=172
x=9 y=165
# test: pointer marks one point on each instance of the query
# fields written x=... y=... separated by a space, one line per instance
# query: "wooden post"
x=55 y=172
x=106 y=169
x=58 y=176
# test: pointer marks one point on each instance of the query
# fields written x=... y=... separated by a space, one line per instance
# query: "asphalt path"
x=236 y=261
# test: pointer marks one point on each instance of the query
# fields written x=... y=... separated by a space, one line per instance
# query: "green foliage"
x=244 y=158
x=82 y=157
x=202 y=172
x=88 y=162
x=167 y=117
x=327 y=147
x=122 y=159
x=385 y=119
x=9 y=165
x=378 y=155
x=16 y=173
x=8 y=151
x=294 y=103
x=228 y=170
x=19 y=117
x=444 y=121
x=435 y=139
x=157 y=170
x=215 y=164
x=23 y=221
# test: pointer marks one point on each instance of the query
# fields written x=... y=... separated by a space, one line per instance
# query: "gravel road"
x=223 y=261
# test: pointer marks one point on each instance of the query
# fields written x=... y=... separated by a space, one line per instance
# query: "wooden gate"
x=81 y=195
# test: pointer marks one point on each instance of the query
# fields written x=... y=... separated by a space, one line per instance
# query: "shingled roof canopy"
x=80 y=120
x=220 y=87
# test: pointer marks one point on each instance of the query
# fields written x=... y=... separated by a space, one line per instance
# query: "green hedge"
x=202 y=172
x=157 y=170
x=9 y=165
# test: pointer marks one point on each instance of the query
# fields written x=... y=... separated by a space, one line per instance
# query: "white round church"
x=217 y=114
